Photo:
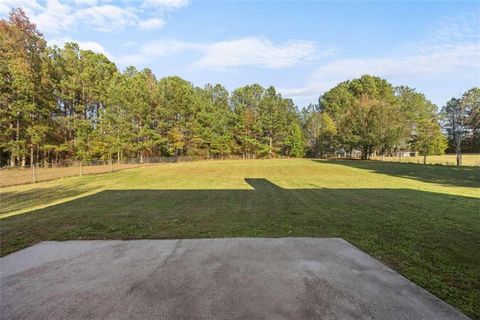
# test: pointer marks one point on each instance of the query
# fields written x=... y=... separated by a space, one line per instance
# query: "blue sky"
x=303 y=48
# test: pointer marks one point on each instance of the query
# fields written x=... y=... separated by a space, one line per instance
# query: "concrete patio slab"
x=242 y=278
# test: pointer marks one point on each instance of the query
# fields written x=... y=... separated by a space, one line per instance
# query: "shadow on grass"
x=15 y=200
x=429 y=237
x=446 y=175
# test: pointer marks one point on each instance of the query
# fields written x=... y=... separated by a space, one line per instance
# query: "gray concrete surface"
x=290 y=278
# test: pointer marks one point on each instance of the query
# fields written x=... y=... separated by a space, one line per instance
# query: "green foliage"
x=462 y=122
x=215 y=121
x=25 y=98
x=320 y=131
x=78 y=104
x=336 y=101
x=263 y=122
x=429 y=139
x=372 y=116
x=362 y=110
x=294 y=143
x=461 y=117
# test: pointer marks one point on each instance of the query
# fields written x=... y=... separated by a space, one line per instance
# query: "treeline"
x=68 y=103
x=371 y=116
x=72 y=104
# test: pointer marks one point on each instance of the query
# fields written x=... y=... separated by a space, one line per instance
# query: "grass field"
x=468 y=159
x=16 y=176
x=423 y=221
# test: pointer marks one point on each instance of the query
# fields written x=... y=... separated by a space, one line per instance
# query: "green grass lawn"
x=423 y=221
x=468 y=159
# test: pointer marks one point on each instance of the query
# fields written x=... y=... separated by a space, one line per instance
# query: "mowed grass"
x=423 y=221
x=468 y=159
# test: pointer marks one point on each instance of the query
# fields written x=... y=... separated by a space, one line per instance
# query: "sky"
x=303 y=48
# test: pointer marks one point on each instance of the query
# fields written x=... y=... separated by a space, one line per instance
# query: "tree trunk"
x=458 y=149
x=17 y=138
x=270 y=149
x=34 y=177
x=32 y=165
x=365 y=153
x=424 y=158
x=459 y=155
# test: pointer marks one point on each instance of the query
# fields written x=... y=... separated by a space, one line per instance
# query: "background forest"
x=60 y=104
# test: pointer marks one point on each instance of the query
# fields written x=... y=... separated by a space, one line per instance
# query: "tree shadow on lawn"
x=431 y=238
x=446 y=175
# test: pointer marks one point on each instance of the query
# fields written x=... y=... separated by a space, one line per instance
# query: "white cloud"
x=166 y=4
x=106 y=17
x=54 y=17
x=250 y=51
x=451 y=47
x=57 y=16
x=120 y=60
x=455 y=29
x=85 y=2
x=28 y=5
x=254 y=51
x=437 y=61
x=85 y=45
x=93 y=46
x=151 y=24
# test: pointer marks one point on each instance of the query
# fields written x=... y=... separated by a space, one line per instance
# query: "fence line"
x=10 y=176
x=468 y=159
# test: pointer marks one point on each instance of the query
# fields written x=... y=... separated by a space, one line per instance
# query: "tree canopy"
x=73 y=104
x=370 y=115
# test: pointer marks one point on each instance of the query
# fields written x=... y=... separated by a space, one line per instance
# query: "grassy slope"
x=423 y=221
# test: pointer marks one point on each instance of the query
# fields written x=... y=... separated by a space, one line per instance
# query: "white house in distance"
x=342 y=153
x=406 y=153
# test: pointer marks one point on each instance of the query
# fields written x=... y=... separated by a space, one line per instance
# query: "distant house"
x=406 y=153
x=342 y=153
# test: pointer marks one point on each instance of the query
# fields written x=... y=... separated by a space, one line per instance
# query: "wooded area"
x=73 y=104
